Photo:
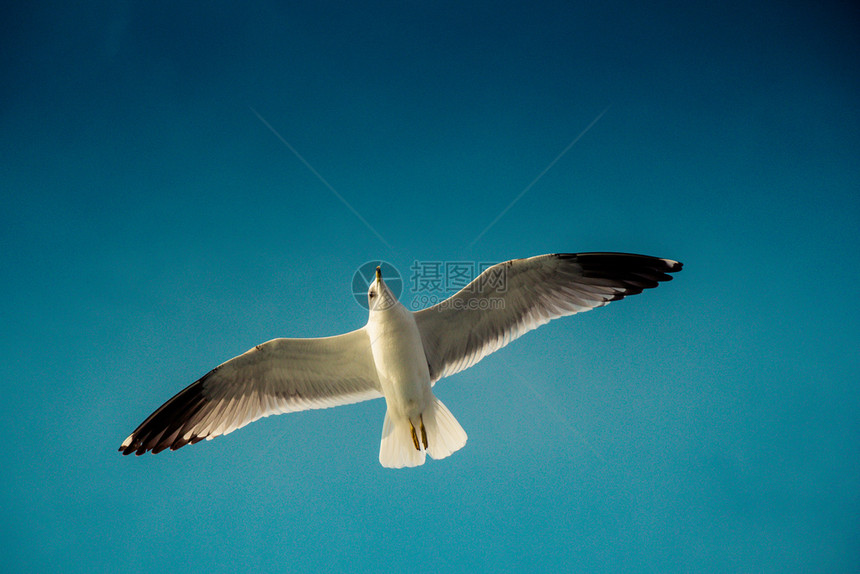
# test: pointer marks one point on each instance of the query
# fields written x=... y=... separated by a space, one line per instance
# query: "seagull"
x=398 y=355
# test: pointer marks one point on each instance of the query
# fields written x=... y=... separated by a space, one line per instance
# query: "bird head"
x=379 y=296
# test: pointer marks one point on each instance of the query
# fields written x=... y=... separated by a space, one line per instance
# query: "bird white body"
x=400 y=362
x=415 y=421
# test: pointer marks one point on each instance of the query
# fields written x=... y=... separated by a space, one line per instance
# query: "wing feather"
x=280 y=376
x=514 y=297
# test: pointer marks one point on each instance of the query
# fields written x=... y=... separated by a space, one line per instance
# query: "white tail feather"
x=444 y=437
x=397 y=449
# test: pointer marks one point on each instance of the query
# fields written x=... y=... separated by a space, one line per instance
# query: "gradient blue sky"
x=153 y=226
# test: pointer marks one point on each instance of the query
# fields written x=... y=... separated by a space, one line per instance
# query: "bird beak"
x=378 y=274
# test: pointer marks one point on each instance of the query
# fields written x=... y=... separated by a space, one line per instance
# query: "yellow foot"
x=414 y=436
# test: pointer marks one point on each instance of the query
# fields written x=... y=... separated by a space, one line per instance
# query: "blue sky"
x=153 y=226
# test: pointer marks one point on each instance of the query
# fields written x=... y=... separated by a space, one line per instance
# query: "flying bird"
x=398 y=355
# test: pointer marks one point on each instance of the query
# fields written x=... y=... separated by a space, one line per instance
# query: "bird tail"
x=445 y=436
x=441 y=436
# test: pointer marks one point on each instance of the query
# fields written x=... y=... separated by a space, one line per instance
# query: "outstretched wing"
x=514 y=297
x=280 y=376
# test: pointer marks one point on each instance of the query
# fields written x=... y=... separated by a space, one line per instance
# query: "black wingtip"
x=167 y=427
x=633 y=272
x=607 y=260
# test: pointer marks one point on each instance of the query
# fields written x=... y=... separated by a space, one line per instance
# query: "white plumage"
x=398 y=355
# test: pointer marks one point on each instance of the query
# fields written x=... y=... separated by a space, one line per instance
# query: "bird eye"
x=372 y=294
